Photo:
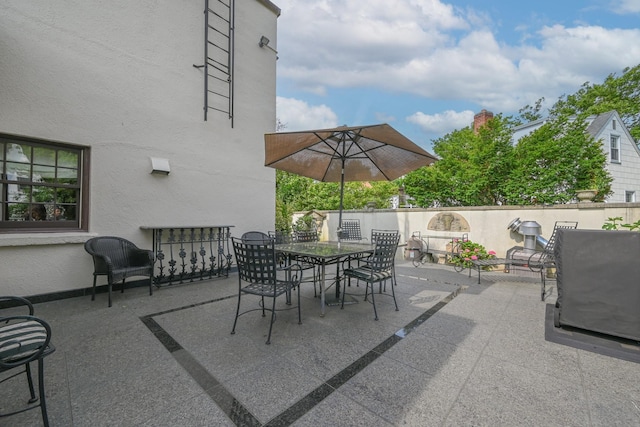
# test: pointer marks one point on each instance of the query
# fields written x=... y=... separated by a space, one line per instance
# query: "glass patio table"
x=323 y=254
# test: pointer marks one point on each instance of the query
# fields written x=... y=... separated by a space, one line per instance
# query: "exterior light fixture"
x=264 y=42
x=160 y=166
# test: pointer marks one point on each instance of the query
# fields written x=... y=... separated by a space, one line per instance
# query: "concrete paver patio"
x=457 y=353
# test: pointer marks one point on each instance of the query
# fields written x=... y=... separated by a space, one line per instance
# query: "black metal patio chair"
x=258 y=275
x=542 y=260
x=118 y=259
x=377 y=268
x=301 y=236
x=384 y=234
x=350 y=230
x=24 y=339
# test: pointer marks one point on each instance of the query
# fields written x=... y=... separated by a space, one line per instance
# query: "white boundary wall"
x=487 y=224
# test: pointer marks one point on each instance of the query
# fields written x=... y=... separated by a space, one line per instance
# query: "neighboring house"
x=94 y=95
x=623 y=155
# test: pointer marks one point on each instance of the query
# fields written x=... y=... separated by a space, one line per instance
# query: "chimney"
x=481 y=119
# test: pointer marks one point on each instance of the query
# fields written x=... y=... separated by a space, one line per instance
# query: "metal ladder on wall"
x=218 y=56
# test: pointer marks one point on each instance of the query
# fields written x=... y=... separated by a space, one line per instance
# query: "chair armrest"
x=140 y=257
x=296 y=273
x=12 y=301
x=102 y=263
x=22 y=339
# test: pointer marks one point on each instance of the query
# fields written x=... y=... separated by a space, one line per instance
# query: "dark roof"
x=598 y=122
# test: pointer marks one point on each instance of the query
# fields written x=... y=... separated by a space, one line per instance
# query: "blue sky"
x=427 y=66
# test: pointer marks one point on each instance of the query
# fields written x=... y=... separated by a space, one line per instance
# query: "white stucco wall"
x=487 y=224
x=118 y=77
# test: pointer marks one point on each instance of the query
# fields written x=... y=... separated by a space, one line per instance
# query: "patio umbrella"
x=346 y=153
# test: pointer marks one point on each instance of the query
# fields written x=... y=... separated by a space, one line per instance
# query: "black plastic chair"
x=118 y=259
x=377 y=268
x=256 y=236
x=258 y=275
x=25 y=339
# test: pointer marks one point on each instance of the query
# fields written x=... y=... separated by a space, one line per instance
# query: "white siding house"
x=623 y=155
x=109 y=86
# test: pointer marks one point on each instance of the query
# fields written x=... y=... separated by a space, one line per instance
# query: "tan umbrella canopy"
x=354 y=153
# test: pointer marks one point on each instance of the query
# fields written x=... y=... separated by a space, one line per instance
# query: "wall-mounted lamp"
x=160 y=166
x=264 y=42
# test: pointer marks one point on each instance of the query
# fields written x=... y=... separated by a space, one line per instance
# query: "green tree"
x=531 y=113
x=471 y=170
x=620 y=93
x=553 y=162
x=295 y=193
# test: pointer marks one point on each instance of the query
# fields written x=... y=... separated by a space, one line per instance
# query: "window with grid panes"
x=42 y=185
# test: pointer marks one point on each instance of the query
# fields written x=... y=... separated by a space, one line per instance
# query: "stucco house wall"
x=119 y=77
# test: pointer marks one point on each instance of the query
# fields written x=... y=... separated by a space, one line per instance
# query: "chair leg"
x=151 y=284
x=109 y=286
x=299 y=313
x=122 y=290
x=43 y=403
x=30 y=381
x=93 y=295
x=393 y=291
x=373 y=300
x=273 y=317
x=233 y=330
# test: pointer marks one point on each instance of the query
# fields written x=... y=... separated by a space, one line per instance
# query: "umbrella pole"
x=341 y=199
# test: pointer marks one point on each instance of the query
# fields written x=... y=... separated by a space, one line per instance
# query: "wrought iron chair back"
x=377 y=268
x=305 y=236
x=280 y=237
x=541 y=261
x=545 y=257
x=351 y=230
x=375 y=233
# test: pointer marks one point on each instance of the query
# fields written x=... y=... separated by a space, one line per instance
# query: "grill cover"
x=598 y=278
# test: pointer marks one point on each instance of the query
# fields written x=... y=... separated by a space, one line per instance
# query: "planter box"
x=598 y=280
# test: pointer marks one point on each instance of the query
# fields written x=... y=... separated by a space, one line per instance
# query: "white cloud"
x=626 y=6
x=442 y=122
x=299 y=115
x=431 y=49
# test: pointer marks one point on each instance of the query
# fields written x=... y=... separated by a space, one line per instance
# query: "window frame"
x=629 y=196
x=81 y=221
x=615 y=149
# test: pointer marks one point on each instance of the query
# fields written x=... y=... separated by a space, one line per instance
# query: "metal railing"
x=186 y=254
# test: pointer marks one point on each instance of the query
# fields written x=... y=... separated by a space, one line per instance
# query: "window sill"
x=37 y=239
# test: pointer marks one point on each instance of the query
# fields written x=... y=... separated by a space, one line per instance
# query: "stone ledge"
x=37 y=239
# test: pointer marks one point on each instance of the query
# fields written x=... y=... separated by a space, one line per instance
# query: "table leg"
x=322 y=305
x=338 y=280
